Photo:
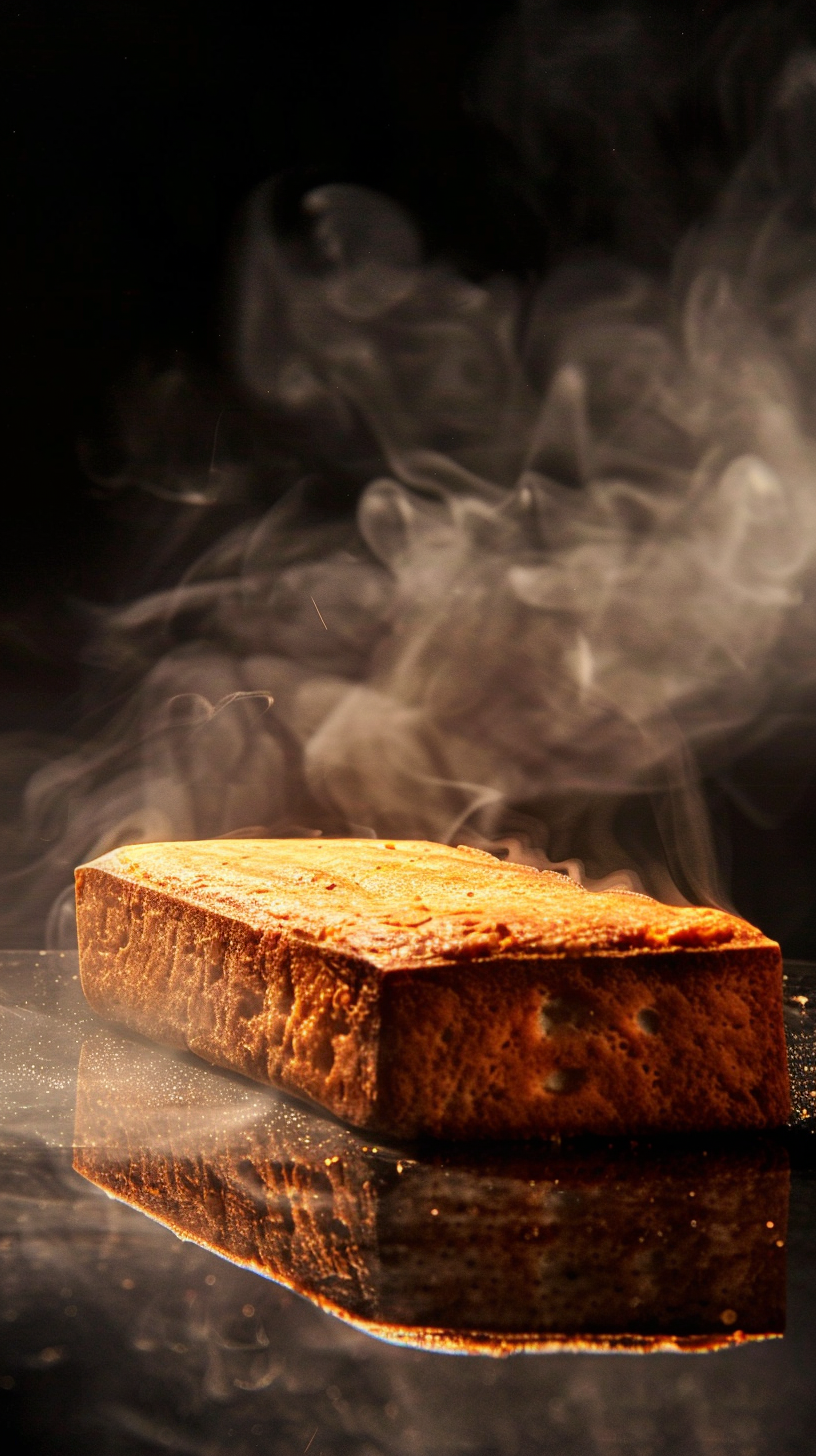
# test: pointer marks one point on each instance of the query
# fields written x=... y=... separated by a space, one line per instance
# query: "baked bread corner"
x=420 y=990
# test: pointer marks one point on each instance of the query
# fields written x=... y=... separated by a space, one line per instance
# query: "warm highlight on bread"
x=668 y=1246
x=416 y=989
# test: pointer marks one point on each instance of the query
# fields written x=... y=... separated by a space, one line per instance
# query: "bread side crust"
x=262 y=1003
x=609 y=1045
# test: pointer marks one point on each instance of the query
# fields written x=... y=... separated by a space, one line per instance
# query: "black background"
x=134 y=133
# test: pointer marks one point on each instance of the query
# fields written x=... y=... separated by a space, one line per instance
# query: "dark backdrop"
x=135 y=131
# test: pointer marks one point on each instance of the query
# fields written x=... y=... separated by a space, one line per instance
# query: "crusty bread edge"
x=349 y=1055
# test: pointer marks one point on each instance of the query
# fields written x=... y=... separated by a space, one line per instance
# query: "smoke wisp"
x=579 y=576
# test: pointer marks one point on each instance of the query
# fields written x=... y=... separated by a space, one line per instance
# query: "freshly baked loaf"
x=675 y=1245
x=415 y=989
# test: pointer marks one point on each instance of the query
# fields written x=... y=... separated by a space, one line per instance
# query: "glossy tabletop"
x=190 y=1263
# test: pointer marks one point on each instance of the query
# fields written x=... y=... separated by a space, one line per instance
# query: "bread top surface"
x=407 y=903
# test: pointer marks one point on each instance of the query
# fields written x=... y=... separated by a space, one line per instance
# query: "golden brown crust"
x=406 y=903
x=418 y=989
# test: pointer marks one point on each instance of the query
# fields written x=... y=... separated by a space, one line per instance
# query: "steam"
x=579 y=576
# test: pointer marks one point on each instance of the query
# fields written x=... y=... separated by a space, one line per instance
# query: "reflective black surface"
x=118 y=1336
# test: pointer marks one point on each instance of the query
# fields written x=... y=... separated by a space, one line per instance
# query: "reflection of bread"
x=417 y=989
x=638 y=1248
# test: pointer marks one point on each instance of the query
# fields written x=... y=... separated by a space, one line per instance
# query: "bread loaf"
x=418 y=990
x=675 y=1245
